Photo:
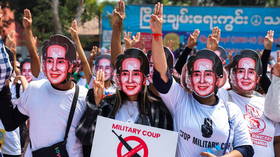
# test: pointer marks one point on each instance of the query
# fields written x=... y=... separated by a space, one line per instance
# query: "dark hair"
x=103 y=56
x=206 y=54
x=63 y=41
x=248 y=53
x=143 y=95
x=27 y=60
x=169 y=57
x=133 y=53
x=223 y=52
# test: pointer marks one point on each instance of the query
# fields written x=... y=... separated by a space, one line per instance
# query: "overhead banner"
x=240 y=26
x=114 y=138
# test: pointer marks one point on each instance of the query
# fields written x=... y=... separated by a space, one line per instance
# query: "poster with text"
x=114 y=138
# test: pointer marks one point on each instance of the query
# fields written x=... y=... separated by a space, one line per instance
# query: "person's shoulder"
x=38 y=84
x=233 y=109
x=83 y=92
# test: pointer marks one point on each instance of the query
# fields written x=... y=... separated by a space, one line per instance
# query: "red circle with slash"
x=141 y=146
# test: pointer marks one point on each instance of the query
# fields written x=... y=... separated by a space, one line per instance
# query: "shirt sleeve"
x=272 y=100
x=277 y=129
x=173 y=96
x=240 y=129
x=22 y=101
x=5 y=65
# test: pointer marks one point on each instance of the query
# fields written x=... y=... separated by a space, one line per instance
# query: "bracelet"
x=157 y=34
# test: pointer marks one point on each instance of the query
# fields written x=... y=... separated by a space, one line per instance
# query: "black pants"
x=4 y=155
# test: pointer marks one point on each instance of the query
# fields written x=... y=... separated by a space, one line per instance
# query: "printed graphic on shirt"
x=2 y=135
x=213 y=147
x=206 y=128
x=256 y=126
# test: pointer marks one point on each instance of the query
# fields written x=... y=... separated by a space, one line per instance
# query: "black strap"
x=72 y=111
x=17 y=90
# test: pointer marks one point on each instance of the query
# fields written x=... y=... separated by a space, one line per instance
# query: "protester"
x=213 y=119
x=51 y=110
x=272 y=101
x=103 y=62
x=245 y=72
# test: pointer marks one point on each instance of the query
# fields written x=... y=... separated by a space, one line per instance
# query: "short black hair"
x=27 y=60
x=63 y=41
x=133 y=53
x=247 y=53
x=169 y=57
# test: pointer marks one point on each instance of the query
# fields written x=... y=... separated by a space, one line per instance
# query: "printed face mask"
x=56 y=66
x=203 y=78
x=131 y=78
x=26 y=71
x=245 y=74
x=105 y=65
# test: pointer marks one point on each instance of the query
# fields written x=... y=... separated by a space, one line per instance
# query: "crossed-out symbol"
x=133 y=152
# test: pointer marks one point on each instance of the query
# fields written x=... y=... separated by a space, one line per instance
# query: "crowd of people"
x=49 y=104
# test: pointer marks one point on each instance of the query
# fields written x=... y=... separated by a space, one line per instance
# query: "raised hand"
x=127 y=40
x=214 y=39
x=98 y=86
x=268 y=40
x=276 y=67
x=74 y=30
x=192 y=40
x=27 y=19
x=118 y=14
x=157 y=19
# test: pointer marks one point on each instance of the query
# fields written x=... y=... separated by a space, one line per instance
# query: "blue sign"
x=241 y=27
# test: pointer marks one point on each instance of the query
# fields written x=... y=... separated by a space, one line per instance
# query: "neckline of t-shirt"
x=208 y=106
x=233 y=93
x=56 y=91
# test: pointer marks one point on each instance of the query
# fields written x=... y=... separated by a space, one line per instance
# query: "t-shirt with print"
x=48 y=110
x=11 y=139
x=262 y=130
x=202 y=127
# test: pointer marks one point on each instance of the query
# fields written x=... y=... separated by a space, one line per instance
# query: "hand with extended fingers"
x=118 y=14
x=157 y=19
x=129 y=43
x=268 y=40
x=98 y=86
x=276 y=67
x=214 y=39
x=74 y=30
x=27 y=19
x=192 y=40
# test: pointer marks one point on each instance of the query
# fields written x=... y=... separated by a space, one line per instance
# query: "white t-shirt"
x=262 y=130
x=202 y=127
x=48 y=110
x=11 y=144
x=128 y=112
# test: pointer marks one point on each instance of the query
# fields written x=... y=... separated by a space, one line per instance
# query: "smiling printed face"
x=105 y=65
x=203 y=78
x=245 y=74
x=131 y=77
x=26 y=71
x=56 y=66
